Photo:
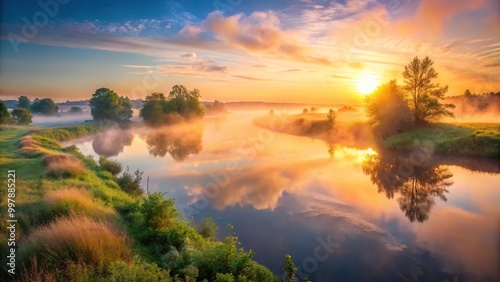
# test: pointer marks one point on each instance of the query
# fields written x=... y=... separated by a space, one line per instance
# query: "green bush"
x=131 y=183
x=113 y=167
x=159 y=213
x=208 y=228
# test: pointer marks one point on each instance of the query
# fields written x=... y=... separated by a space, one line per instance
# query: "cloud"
x=258 y=33
x=191 y=55
x=208 y=66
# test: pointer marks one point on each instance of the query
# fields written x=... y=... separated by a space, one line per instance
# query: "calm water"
x=343 y=214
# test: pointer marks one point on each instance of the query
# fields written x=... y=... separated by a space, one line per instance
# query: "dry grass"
x=28 y=145
x=70 y=240
x=73 y=201
x=63 y=165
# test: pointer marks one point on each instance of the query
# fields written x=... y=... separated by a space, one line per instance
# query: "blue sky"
x=296 y=50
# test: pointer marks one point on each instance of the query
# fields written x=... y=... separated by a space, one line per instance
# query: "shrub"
x=73 y=201
x=131 y=183
x=113 y=167
x=159 y=213
x=63 y=166
x=138 y=270
x=74 y=239
x=208 y=228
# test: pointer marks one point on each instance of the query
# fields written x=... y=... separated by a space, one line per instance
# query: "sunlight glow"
x=367 y=83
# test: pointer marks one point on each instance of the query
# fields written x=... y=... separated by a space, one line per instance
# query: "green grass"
x=471 y=139
x=68 y=132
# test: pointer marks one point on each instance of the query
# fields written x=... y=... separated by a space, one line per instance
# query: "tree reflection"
x=179 y=142
x=111 y=142
x=417 y=185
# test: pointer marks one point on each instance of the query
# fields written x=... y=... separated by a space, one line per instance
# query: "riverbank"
x=76 y=221
x=468 y=139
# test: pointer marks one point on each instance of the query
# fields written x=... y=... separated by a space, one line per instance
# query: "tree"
x=425 y=95
x=387 y=110
x=75 y=110
x=23 y=102
x=4 y=114
x=180 y=104
x=45 y=106
x=330 y=119
x=290 y=269
x=305 y=111
x=106 y=104
x=467 y=93
x=21 y=116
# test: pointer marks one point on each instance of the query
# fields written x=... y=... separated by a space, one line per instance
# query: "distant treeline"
x=470 y=103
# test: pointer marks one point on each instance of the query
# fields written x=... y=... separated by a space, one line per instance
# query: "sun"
x=367 y=83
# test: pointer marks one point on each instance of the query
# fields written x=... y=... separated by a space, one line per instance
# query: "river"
x=344 y=214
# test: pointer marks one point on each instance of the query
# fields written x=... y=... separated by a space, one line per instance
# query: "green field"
x=471 y=139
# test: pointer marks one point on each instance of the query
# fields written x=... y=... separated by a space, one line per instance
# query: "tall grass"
x=74 y=239
x=73 y=201
x=63 y=166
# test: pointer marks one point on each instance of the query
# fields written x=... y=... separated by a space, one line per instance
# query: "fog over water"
x=343 y=213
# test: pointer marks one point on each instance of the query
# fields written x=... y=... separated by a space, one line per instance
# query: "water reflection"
x=111 y=142
x=417 y=185
x=179 y=142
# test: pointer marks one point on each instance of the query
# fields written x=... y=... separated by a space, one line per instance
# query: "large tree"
x=21 y=116
x=424 y=94
x=4 y=114
x=106 y=104
x=387 y=110
x=44 y=106
x=23 y=102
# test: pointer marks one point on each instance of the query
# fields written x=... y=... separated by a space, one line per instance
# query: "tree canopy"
x=4 y=114
x=181 y=104
x=44 y=106
x=106 y=104
x=23 y=102
x=387 y=109
x=21 y=116
x=425 y=95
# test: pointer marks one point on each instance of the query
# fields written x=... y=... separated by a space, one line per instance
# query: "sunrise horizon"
x=309 y=51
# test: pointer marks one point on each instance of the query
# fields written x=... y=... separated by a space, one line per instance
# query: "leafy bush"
x=208 y=228
x=138 y=270
x=113 y=167
x=131 y=183
x=159 y=213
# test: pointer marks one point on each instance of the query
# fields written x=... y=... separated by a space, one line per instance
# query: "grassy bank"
x=471 y=139
x=76 y=223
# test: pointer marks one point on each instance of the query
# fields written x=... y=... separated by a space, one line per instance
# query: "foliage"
x=106 y=104
x=290 y=269
x=75 y=110
x=159 y=213
x=305 y=111
x=63 y=166
x=425 y=95
x=138 y=270
x=330 y=120
x=68 y=132
x=216 y=107
x=180 y=104
x=208 y=228
x=113 y=167
x=131 y=183
x=21 y=116
x=73 y=201
x=4 y=114
x=44 y=106
x=23 y=102
x=387 y=110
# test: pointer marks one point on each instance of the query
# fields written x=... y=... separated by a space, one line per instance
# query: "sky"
x=310 y=51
